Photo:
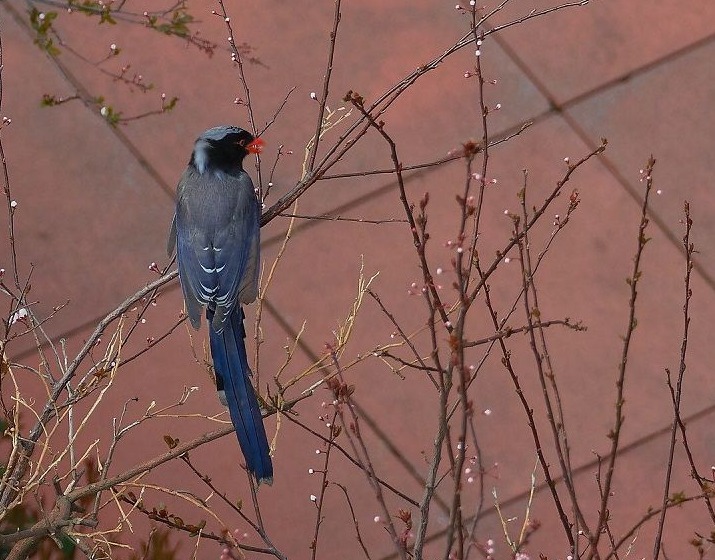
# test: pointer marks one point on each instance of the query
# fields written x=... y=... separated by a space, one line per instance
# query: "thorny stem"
x=330 y=218
x=457 y=347
x=239 y=63
x=391 y=170
x=154 y=341
x=511 y=331
x=270 y=123
x=255 y=526
x=480 y=478
x=467 y=210
x=403 y=335
x=430 y=486
x=337 y=152
x=207 y=480
x=484 y=110
x=452 y=156
x=176 y=525
x=628 y=535
x=705 y=486
x=149 y=299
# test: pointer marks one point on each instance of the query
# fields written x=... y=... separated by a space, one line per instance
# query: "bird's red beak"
x=256 y=146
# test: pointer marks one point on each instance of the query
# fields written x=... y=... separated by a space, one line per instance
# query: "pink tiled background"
x=94 y=204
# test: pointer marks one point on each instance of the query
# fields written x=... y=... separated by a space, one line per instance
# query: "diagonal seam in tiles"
x=78 y=86
x=580 y=132
x=523 y=496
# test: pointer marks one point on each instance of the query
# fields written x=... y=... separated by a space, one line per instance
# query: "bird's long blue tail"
x=234 y=376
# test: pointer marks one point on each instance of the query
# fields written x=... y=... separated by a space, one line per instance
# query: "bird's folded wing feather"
x=216 y=232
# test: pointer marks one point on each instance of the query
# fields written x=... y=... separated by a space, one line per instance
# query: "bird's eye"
x=241 y=143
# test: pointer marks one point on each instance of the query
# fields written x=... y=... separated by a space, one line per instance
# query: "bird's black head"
x=223 y=148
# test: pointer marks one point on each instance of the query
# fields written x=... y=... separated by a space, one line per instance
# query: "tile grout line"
x=371 y=423
x=627 y=77
x=271 y=241
x=360 y=200
x=562 y=110
x=75 y=83
x=524 y=496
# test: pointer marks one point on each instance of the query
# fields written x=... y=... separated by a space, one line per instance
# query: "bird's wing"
x=248 y=289
x=237 y=254
x=217 y=226
x=197 y=286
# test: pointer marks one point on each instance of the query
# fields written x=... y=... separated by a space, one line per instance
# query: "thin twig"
x=28 y=443
x=544 y=367
x=677 y=393
x=354 y=519
x=322 y=102
x=319 y=500
x=342 y=219
x=615 y=433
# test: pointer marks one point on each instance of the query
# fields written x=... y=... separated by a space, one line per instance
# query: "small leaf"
x=41 y=23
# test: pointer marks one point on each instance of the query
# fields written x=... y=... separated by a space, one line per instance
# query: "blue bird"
x=216 y=234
